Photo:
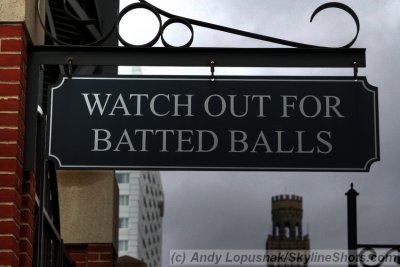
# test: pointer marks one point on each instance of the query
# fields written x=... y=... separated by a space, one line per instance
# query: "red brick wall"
x=92 y=255
x=17 y=188
x=17 y=192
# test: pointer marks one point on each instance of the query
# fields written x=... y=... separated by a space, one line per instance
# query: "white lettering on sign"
x=295 y=141
x=327 y=107
x=137 y=104
x=240 y=143
x=137 y=140
x=216 y=105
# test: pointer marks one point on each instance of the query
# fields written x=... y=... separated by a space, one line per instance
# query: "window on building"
x=287 y=230
x=123 y=222
x=298 y=231
x=276 y=230
x=122 y=177
x=123 y=200
x=123 y=245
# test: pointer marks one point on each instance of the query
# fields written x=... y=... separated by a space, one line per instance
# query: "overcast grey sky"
x=231 y=210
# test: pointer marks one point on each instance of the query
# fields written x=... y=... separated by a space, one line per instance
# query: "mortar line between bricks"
x=8 y=128
x=8 y=235
x=9 y=53
x=10 y=204
x=26 y=209
x=10 y=38
x=10 y=97
x=10 y=82
x=8 y=112
x=4 y=172
x=7 y=251
x=7 y=220
x=10 y=68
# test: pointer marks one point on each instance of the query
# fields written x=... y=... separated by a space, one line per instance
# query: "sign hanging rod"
x=173 y=57
x=200 y=57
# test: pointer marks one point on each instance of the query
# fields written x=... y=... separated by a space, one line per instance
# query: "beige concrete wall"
x=12 y=10
x=88 y=206
x=24 y=11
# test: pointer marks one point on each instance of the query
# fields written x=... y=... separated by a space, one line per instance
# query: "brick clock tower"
x=287 y=230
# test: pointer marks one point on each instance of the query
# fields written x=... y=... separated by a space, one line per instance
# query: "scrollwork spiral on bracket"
x=188 y=22
x=368 y=254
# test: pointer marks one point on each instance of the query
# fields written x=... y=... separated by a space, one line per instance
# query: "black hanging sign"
x=232 y=123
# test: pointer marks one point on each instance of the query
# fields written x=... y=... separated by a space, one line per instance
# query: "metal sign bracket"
x=170 y=57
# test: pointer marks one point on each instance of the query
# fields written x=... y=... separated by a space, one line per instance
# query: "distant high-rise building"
x=287 y=232
x=141 y=208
